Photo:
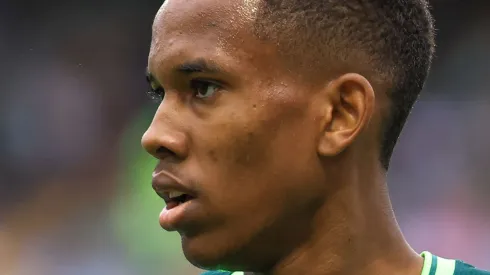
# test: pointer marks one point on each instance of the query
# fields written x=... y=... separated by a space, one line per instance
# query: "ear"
x=348 y=107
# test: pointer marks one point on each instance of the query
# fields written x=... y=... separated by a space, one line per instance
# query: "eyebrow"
x=194 y=66
x=198 y=66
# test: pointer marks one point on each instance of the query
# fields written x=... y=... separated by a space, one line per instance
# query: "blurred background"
x=75 y=195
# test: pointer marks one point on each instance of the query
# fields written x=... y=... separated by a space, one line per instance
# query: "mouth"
x=180 y=209
x=182 y=203
x=175 y=198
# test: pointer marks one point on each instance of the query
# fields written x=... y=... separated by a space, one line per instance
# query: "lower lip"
x=171 y=217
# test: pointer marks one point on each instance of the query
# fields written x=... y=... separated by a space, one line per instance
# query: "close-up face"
x=236 y=132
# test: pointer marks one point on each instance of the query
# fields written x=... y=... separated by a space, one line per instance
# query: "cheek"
x=236 y=152
x=256 y=171
x=234 y=140
x=256 y=158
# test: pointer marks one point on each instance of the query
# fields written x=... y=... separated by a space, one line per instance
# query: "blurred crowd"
x=75 y=195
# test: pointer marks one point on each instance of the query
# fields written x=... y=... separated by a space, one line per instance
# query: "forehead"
x=219 y=31
x=224 y=13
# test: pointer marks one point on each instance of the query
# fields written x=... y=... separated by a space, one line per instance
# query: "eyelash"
x=196 y=84
x=157 y=94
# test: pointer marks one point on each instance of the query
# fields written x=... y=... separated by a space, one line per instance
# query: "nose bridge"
x=164 y=133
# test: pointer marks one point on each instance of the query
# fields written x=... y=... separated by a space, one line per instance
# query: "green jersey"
x=433 y=265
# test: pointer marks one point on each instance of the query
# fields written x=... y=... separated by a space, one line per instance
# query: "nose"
x=163 y=139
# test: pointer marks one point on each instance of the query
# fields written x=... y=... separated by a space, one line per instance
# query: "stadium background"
x=75 y=195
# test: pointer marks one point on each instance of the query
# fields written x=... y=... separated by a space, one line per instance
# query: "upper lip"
x=164 y=182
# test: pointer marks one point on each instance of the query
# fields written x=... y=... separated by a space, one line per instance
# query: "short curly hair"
x=390 y=41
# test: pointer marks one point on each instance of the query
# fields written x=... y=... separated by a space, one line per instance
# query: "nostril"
x=164 y=152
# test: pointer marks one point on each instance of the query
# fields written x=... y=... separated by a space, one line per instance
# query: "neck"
x=355 y=233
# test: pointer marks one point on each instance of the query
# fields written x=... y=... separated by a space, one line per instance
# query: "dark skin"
x=283 y=164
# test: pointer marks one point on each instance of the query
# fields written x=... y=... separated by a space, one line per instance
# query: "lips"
x=169 y=187
x=177 y=197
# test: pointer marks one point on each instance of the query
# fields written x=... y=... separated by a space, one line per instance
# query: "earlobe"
x=347 y=111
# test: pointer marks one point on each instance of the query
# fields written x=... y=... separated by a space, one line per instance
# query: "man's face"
x=236 y=130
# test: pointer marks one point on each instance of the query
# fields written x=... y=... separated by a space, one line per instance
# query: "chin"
x=204 y=252
x=210 y=253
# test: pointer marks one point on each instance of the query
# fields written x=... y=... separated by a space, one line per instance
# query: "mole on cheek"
x=212 y=155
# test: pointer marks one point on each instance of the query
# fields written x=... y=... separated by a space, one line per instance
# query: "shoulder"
x=434 y=265
x=222 y=272
x=218 y=272
x=463 y=268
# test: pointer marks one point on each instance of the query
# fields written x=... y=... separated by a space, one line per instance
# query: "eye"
x=204 y=89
